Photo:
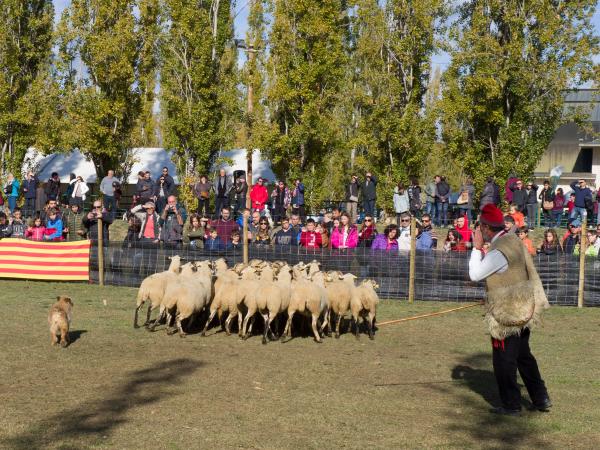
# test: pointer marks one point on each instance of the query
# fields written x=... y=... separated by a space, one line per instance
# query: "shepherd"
x=515 y=302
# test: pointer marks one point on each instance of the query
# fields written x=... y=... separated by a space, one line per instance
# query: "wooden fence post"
x=582 y=249
x=100 y=252
x=413 y=250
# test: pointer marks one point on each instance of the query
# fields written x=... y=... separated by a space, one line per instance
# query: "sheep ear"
x=58 y=297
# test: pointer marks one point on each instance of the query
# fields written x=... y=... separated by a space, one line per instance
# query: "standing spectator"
x=404 y=233
x=352 y=198
x=118 y=190
x=259 y=196
x=298 y=199
x=286 y=235
x=466 y=234
x=108 y=191
x=570 y=204
x=80 y=188
x=296 y=224
x=53 y=187
x=202 y=191
x=213 y=242
x=254 y=225
x=241 y=191
x=161 y=193
x=54 y=226
x=547 y=198
x=558 y=208
x=490 y=193
x=281 y=198
x=144 y=189
x=11 y=190
x=509 y=188
x=309 y=238
x=426 y=239
x=195 y=231
x=430 y=191
x=442 y=196
x=401 y=201
x=50 y=204
x=222 y=187
x=531 y=204
x=35 y=232
x=17 y=225
x=325 y=240
x=171 y=221
x=414 y=196
x=346 y=235
x=583 y=198
x=235 y=242
x=169 y=181
x=519 y=195
x=30 y=186
x=40 y=199
x=72 y=221
x=465 y=199
x=517 y=216
x=550 y=245
x=66 y=197
x=262 y=236
x=523 y=235
x=225 y=225
x=90 y=222
x=387 y=241
x=369 y=194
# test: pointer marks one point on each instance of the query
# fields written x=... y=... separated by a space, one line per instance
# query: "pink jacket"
x=337 y=238
x=35 y=233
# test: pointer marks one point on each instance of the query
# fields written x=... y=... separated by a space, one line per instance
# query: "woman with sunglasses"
x=367 y=232
x=346 y=235
x=263 y=236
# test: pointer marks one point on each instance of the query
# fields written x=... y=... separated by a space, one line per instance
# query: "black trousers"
x=510 y=355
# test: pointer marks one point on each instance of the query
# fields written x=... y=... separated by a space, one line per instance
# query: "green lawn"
x=421 y=384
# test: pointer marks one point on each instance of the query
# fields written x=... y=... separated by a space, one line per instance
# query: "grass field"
x=421 y=384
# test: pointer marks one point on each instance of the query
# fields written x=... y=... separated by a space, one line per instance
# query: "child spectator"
x=571 y=204
x=325 y=240
x=550 y=245
x=345 y=235
x=593 y=245
x=213 y=242
x=235 y=243
x=17 y=225
x=72 y=223
x=517 y=216
x=558 y=208
x=523 y=235
x=37 y=230
x=4 y=226
x=309 y=238
x=54 y=226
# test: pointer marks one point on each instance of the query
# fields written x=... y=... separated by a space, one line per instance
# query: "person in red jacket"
x=309 y=237
x=259 y=196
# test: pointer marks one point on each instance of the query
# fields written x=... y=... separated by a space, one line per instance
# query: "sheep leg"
x=147 y=323
x=208 y=321
x=355 y=323
x=244 y=327
x=267 y=325
x=288 y=326
x=161 y=315
x=251 y=324
x=329 y=322
x=274 y=319
x=135 y=316
x=325 y=323
x=240 y=328
x=315 y=318
x=337 y=326
x=182 y=333
x=191 y=321
x=228 y=324
x=369 y=321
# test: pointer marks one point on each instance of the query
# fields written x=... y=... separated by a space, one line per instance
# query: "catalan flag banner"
x=34 y=260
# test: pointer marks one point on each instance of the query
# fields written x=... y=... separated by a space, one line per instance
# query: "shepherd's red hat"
x=492 y=215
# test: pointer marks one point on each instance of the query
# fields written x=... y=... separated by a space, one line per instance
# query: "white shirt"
x=482 y=267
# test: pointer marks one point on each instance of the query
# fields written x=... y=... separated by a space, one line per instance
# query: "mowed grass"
x=421 y=384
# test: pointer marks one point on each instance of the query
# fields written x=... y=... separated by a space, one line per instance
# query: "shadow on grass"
x=95 y=419
x=75 y=335
x=484 y=428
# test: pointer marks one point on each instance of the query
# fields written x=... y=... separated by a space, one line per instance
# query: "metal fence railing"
x=438 y=275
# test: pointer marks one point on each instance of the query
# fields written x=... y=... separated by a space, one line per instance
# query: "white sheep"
x=308 y=297
x=364 y=303
x=190 y=295
x=340 y=290
x=153 y=289
x=225 y=298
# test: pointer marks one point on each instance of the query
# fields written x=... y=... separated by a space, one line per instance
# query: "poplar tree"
x=26 y=28
x=198 y=86
x=503 y=92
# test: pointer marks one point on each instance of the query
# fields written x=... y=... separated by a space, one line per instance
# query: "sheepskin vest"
x=515 y=297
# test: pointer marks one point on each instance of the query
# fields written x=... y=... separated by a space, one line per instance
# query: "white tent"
x=152 y=159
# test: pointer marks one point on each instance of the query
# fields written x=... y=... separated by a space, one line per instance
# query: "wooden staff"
x=422 y=316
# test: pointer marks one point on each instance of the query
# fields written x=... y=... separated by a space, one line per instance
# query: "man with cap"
x=515 y=301
x=150 y=230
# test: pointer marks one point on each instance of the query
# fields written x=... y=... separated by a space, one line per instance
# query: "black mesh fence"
x=439 y=275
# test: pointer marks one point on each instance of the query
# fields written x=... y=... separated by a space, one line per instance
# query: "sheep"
x=153 y=289
x=190 y=295
x=271 y=298
x=308 y=297
x=364 y=303
x=340 y=290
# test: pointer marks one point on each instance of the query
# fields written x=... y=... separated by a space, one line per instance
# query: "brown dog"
x=59 y=319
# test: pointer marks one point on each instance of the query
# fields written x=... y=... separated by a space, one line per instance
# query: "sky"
x=241 y=18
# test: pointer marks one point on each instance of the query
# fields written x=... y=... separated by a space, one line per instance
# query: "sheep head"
x=239 y=267
x=371 y=283
x=255 y=262
x=175 y=264
x=220 y=265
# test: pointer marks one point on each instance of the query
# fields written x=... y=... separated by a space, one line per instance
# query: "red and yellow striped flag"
x=35 y=260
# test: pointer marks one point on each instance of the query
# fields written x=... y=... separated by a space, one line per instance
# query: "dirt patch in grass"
x=421 y=384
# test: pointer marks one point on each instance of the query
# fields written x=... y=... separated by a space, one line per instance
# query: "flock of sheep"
x=269 y=289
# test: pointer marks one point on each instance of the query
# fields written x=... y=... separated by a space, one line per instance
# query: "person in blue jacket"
x=11 y=190
x=214 y=242
x=54 y=222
